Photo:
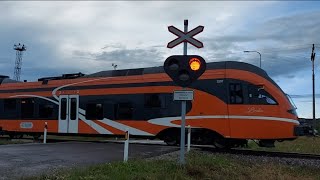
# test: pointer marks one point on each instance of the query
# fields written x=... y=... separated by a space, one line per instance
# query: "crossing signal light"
x=184 y=69
x=195 y=64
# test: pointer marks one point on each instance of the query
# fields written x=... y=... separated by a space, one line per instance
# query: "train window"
x=267 y=99
x=10 y=104
x=236 y=94
x=154 y=101
x=63 y=109
x=73 y=109
x=258 y=95
x=45 y=110
x=27 y=108
x=94 y=111
x=124 y=111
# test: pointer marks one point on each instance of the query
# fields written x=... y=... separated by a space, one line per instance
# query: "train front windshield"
x=293 y=106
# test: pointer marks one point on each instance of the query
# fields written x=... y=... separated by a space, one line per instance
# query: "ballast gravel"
x=250 y=159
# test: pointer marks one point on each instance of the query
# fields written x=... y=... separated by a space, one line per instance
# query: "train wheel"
x=36 y=136
x=12 y=135
x=170 y=136
x=221 y=143
x=19 y=136
x=170 y=140
x=15 y=136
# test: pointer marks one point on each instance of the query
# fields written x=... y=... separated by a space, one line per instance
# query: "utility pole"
x=313 y=54
x=17 y=69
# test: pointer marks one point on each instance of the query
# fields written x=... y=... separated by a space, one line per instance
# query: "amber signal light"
x=195 y=64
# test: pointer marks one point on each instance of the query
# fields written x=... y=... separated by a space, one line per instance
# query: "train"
x=233 y=102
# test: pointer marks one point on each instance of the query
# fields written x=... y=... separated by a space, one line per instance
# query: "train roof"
x=5 y=79
x=150 y=70
x=211 y=65
x=159 y=69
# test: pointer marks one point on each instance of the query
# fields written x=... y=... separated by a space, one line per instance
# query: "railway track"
x=249 y=152
x=211 y=149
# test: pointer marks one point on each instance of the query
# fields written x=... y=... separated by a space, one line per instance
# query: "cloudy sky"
x=67 y=37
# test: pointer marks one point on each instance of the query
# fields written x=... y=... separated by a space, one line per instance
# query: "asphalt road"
x=25 y=160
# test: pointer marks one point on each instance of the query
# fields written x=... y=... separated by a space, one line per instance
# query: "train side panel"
x=262 y=112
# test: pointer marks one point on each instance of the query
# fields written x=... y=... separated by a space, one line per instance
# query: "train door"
x=68 y=113
x=236 y=108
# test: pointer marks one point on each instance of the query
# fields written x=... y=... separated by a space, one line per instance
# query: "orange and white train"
x=233 y=102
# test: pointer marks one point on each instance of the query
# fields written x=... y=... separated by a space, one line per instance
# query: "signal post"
x=183 y=70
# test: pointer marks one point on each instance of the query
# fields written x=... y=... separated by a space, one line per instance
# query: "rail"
x=248 y=152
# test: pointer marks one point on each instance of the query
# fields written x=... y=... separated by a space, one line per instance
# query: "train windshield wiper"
x=291 y=102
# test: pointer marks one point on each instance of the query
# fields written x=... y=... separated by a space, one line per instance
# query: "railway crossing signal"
x=184 y=69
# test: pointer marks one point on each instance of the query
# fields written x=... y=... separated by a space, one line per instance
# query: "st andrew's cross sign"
x=185 y=37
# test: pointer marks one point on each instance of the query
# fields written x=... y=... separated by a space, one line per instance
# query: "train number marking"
x=219 y=81
x=26 y=125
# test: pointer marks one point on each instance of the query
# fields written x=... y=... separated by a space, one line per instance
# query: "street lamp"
x=256 y=52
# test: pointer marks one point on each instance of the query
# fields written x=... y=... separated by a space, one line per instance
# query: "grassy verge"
x=299 y=145
x=199 y=166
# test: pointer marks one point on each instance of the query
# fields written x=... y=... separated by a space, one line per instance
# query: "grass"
x=299 y=145
x=198 y=166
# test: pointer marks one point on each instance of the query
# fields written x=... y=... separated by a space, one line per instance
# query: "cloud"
x=293 y=35
x=125 y=58
x=70 y=37
x=85 y=35
x=284 y=42
x=298 y=29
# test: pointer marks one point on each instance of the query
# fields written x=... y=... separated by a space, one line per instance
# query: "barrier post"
x=189 y=138
x=45 y=133
x=126 y=147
